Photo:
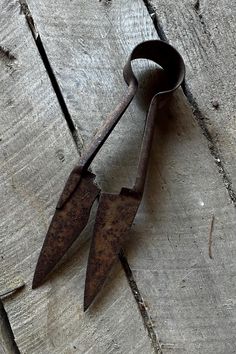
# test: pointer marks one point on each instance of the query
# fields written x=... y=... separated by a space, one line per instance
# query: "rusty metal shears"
x=116 y=212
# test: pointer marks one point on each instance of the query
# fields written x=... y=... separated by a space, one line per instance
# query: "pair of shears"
x=116 y=212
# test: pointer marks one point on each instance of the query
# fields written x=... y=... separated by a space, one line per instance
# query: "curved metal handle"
x=162 y=54
x=171 y=61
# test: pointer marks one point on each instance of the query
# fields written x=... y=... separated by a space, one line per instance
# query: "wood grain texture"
x=190 y=297
x=37 y=153
x=204 y=33
x=6 y=340
x=88 y=44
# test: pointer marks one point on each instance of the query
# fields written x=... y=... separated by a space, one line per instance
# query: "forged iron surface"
x=114 y=218
x=67 y=223
x=116 y=212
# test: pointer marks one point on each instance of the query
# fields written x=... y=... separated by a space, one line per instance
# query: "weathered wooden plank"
x=37 y=153
x=204 y=33
x=6 y=339
x=87 y=44
x=190 y=296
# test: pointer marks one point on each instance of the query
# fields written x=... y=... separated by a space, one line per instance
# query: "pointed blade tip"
x=87 y=300
x=86 y=307
x=37 y=280
x=35 y=284
x=87 y=303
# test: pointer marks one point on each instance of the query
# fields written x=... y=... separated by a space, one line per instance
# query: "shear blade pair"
x=116 y=212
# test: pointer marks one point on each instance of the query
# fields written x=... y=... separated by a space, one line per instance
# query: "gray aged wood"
x=6 y=341
x=190 y=297
x=204 y=32
x=37 y=153
x=87 y=44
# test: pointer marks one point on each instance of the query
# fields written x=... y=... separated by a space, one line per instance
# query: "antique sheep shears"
x=116 y=212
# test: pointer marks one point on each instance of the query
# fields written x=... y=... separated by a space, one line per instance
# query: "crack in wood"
x=12 y=289
x=152 y=13
x=202 y=21
x=211 y=143
x=26 y=11
x=7 y=333
x=197 y=5
x=31 y=23
x=141 y=304
x=199 y=116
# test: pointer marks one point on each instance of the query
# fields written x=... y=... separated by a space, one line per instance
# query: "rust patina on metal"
x=116 y=212
x=69 y=220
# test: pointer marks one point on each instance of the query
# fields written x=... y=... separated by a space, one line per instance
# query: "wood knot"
x=6 y=54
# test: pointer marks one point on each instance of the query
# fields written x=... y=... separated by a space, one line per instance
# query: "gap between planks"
x=199 y=116
x=36 y=36
x=8 y=345
x=80 y=144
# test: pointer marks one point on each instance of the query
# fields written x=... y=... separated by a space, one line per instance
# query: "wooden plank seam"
x=31 y=23
x=199 y=116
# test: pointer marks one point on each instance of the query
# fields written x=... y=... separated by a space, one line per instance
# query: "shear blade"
x=114 y=218
x=66 y=225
